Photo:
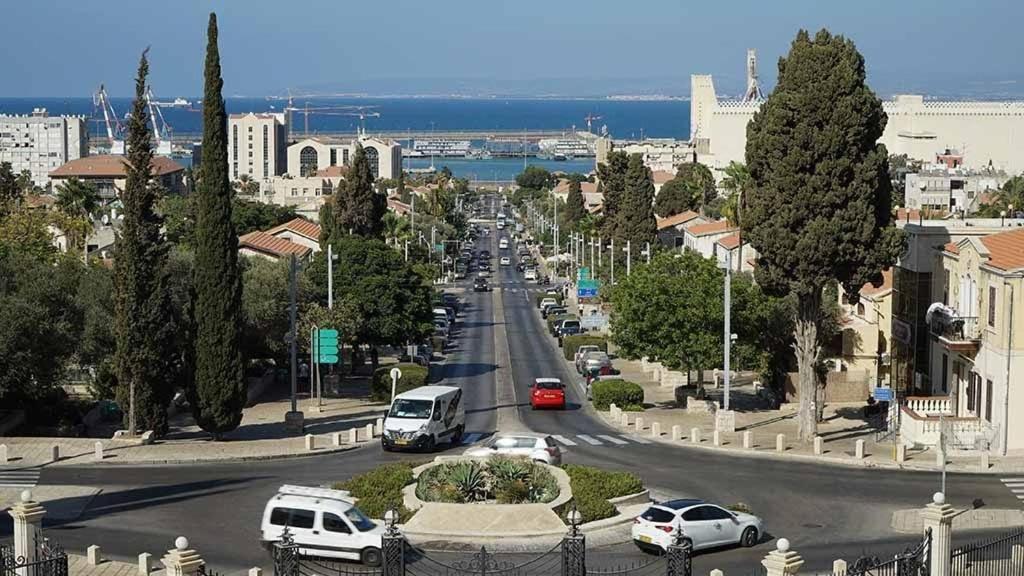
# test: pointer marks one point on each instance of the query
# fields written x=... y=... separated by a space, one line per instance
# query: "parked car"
x=530 y=274
x=547 y=393
x=582 y=351
x=597 y=361
x=421 y=355
x=568 y=327
x=537 y=447
x=703 y=525
x=544 y=303
x=553 y=311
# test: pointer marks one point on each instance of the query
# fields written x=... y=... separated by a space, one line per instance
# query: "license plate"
x=645 y=539
x=401 y=441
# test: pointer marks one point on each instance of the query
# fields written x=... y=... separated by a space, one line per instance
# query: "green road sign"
x=326 y=346
x=582 y=273
x=439 y=247
x=327 y=359
x=327 y=342
x=327 y=333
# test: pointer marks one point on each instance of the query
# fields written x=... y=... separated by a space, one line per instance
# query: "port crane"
x=361 y=112
x=115 y=130
x=590 y=118
x=161 y=131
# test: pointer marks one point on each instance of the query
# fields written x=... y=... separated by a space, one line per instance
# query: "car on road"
x=530 y=273
x=536 y=447
x=503 y=244
x=505 y=261
x=547 y=393
x=481 y=285
x=704 y=525
x=553 y=311
x=599 y=362
x=568 y=327
x=323 y=522
x=544 y=303
x=424 y=417
x=581 y=352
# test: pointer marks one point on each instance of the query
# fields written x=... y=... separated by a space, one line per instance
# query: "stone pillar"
x=717 y=572
x=639 y=424
x=624 y=419
x=255 y=571
x=938 y=516
x=310 y=442
x=379 y=426
x=181 y=560
x=725 y=420
x=3 y=454
x=145 y=563
x=780 y=442
x=93 y=555
x=695 y=435
x=984 y=464
x=782 y=561
x=677 y=432
x=839 y=568
x=656 y=429
x=97 y=451
x=28 y=529
x=901 y=453
x=748 y=439
x=353 y=435
x=55 y=453
x=858 y=449
x=716 y=437
x=819 y=445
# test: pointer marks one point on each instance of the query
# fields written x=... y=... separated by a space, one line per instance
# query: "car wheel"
x=749 y=537
x=370 y=557
x=431 y=444
x=457 y=437
x=384 y=445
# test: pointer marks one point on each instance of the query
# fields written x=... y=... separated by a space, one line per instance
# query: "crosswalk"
x=20 y=478
x=579 y=439
x=1015 y=485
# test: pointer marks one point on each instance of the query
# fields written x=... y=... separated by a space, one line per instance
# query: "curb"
x=233 y=459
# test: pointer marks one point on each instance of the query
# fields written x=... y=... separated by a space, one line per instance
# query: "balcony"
x=962 y=334
x=930 y=405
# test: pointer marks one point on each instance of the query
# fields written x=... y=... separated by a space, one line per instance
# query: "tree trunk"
x=806 y=348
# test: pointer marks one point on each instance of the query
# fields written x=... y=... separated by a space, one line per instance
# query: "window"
x=694 y=514
x=945 y=373
x=250 y=128
x=334 y=523
x=308 y=161
x=970 y=392
x=344 y=156
x=361 y=522
x=945 y=287
x=992 y=306
x=860 y=309
x=293 y=517
x=234 y=145
x=988 y=400
x=295 y=191
x=334 y=156
x=715 y=513
x=659 y=515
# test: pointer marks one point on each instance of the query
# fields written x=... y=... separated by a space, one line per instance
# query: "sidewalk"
x=841 y=430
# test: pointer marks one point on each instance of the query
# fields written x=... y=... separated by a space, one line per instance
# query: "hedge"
x=538 y=298
x=593 y=487
x=572 y=343
x=380 y=489
x=413 y=376
x=624 y=394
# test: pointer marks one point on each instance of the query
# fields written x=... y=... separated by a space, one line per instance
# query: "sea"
x=627 y=119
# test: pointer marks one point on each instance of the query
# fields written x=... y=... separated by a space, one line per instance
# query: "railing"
x=960 y=433
x=962 y=329
x=930 y=405
x=995 y=556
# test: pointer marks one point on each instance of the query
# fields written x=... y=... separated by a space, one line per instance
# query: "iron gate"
x=915 y=561
x=50 y=560
x=993 y=556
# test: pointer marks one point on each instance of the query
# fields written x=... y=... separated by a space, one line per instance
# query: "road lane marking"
x=588 y=439
x=612 y=439
x=27 y=478
x=564 y=440
x=638 y=439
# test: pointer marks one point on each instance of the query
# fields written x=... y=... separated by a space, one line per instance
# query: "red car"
x=547 y=393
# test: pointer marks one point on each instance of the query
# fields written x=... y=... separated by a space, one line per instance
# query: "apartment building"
x=257 y=145
x=40 y=143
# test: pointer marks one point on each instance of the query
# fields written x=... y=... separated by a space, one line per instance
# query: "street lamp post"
x=647 y=252
x=591 y=242
x=629 y=257
x=612 y=257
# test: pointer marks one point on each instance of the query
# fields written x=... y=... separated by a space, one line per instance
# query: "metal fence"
x=991 y=557
x=50 y=560
x=914 y=561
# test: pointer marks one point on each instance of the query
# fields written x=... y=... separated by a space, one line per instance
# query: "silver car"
x=537 y=447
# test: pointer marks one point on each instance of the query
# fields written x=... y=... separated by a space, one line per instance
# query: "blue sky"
x=578 y=47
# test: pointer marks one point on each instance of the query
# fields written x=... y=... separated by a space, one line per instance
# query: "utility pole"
x=600 y=250
x=629 y=257
x=293 y=420
x=613 y=260
x=406 y=249
x=647 y=251
x=728 y=322
x=330 y=276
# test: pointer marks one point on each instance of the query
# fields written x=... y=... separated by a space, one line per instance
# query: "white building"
x=311 y=155
x=946 y=186
x=40 y=143
x=664 y=155
x=257 y=145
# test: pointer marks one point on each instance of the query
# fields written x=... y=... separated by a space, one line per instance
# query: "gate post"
x=574 y=546
x=679 y=553
x=938 y=519
x=393 y=547
x=782 y=561
x=286 y=555
x=182 y=560
x=28 y=532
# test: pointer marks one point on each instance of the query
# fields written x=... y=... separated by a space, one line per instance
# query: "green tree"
x=142 y=316
x=246 y=186
x=396 y=228
x=220 y=373
x=1010 y=194
x=26 y=232
x=77 y=201
x=11 y=189
x=612 y=185
x=179 y=214
x=699 y=178
x=675 y=197
x=358 y=208
x=637 y=223
x=535 y=178
x=820 y=212
x=737 y=184
x=575 y=207
x=250 y=215
x=265 y=299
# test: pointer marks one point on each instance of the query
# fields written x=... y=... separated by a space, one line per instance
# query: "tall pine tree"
x=220 y=378
x=637 y=223
x=142 y=308
x=612 y=175
x=575 y=206
x=358 y=208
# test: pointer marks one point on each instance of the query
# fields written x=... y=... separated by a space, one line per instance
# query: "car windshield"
x=404 y=408
x=549 y=385
x=359 y=520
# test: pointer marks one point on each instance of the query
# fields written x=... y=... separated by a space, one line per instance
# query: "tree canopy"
x=1011 y=193
x=575 y=206
x=357 y=207
x=612 y=176
x=675 y=197
x=637 y=223
x=535 y=178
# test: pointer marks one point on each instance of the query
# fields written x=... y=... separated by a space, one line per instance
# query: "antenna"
x=753 y=93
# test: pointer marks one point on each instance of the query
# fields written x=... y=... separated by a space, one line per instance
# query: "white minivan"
x=424 y=417
x=323 y=522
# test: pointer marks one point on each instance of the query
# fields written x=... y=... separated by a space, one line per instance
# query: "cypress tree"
x=612 y=175
x=636 y=213
x=142 y=309
x=220 y=379
x=575 y=207
x=359 y=209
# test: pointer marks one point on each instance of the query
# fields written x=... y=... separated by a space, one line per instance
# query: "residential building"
x=591 y=197
x=300 y=231
x=257 y=145
x=307 y=194
x=946 y=187
x=311 y=155
x=704 y=236
x=867 y=332
x=671 y=229
x=660 y=154
x=741 y=258
x=659 y=178
x=263 y=245
x=107 y=172
x=40 y=143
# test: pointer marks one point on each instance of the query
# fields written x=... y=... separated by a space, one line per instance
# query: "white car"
x=323 y=522
x=530 y=274
x=505 y=261
x=703 y=525
x=537 y=447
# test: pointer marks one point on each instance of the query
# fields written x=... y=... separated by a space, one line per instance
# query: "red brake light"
x=666 y=528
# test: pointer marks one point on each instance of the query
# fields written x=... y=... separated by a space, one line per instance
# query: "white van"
x=423 y=418
x=323 y=522
x=503 y=244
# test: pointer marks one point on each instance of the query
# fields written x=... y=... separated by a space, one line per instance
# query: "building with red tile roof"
x=266 y=245
x=108 y=172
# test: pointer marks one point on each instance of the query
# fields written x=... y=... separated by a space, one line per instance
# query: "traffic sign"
x=882 y=394
x=439 y=247
x=583 y=273
x=586 y=292
x=396 y=373
x=327 y=333
x=327 y=359
x=327 y=346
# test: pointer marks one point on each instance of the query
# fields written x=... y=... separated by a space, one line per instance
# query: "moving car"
x=537 y=447
x=423 y=418
x=505 y=261
x=480 y=285
x=703 y=525
x=547 y=393
x=323 y=522
x=503 y=244
x=530 y=274
x=568 y=327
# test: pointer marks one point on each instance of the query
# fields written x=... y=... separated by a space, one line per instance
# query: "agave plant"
x=505 y=470
x=470 y=479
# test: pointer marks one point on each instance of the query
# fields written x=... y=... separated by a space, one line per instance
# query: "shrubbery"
x=593 y=487
x=413 y=376
x=380 y=489
x=624 y=394
x=506 y=480
x=572 y=343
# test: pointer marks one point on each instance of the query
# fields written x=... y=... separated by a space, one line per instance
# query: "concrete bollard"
x=624 y=420
x=839 y=568
x=336 y=438
x=93 y=555
x=369 y=432
x=716 y=438
x=54 y=453
x=695 y=435
x=901 y=453
x=310 y=442
x=145 y=563
x=858 y=449
x=379 y=426
x=984 y=461
x=819 y=445
x=613 y=411
x=656 y=429
x=717 y=572
x=3 y=454
x=97 y=451
x=780 y=442
x=748 y=439
x=353 y=435
x=255 y=571
x=639 y=424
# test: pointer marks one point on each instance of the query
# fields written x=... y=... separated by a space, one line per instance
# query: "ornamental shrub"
x=593 y=487
x=413 y=376
x=624 y=394
x=380 y=490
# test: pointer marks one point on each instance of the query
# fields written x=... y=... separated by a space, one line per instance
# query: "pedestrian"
x=303 y=370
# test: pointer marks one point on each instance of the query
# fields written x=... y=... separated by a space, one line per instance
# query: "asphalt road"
x=826 y=512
